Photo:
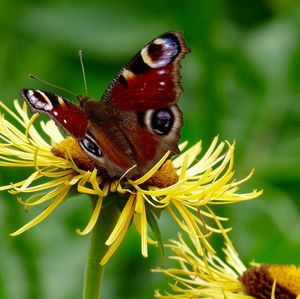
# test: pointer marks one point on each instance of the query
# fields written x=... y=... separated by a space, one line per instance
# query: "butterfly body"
x=136 y=121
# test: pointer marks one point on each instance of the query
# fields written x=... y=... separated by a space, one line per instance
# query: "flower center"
x=259 y=281
x=162 y=178
x=79 y=157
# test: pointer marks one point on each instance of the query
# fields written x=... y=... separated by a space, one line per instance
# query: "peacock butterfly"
x=137 y=120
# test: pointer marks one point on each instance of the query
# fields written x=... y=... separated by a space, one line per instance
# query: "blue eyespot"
x=162 y=51
x=162 y=121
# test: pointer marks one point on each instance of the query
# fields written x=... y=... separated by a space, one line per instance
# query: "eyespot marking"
x=162 y=121
x=38 y=100
x=159 y=121
x=90 y=146
x=160 y=52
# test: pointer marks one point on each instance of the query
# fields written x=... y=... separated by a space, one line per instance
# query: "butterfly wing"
x=143 y=97
x=66 y=114
x=151 y=79
x=150 y=145
x=99 y=138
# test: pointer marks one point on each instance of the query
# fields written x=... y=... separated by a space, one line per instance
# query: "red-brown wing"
x=66 y=115
x=116 y=155
x=143 y=97
x=100 y=138
x=149 y=143
x=151 y=80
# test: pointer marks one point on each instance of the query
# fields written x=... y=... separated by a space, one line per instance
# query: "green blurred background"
x=241 y=82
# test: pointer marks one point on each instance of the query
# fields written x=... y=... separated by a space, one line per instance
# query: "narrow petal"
x=95 y=183
x=125 y=215
x=193 y=152
x=93 y=219
x=221 y=228
x=140 y=204
x=52 y=131
x=46 y=197
x=119 y=238
x=183 y=168
x=46 y=185
x=44 y=214
x=161 y=191
x=81 y=185
x=144 y=244
x=191 y=225
x=144 y=178
x=137 y=223
x=12 y=114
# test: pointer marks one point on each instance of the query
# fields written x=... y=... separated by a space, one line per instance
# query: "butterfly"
x=137 y=119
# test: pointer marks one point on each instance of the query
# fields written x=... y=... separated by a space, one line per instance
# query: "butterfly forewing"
x=67 y=115
x=151 y=79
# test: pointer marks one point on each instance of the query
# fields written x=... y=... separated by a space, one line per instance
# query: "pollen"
x=164 y=177
x=79 y=157
x=259 y=281
x=287 y=276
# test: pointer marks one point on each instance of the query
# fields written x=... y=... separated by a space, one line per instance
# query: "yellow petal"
x=125 y=215
x=93 y=219
x=119 y=238
x=144 y=178
x=44 y=214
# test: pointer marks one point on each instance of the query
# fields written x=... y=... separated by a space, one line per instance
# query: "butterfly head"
x=83 y=100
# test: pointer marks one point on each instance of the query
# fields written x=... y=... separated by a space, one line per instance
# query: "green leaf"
x=116 y=198
x=154 y=210
x=33 y=199
x=156 y=231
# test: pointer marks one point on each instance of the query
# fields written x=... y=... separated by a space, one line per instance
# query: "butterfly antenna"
x=83 y=71
x=53 y=85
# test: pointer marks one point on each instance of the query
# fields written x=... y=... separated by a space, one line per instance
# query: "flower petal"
x=44 y=214
x=93 y=220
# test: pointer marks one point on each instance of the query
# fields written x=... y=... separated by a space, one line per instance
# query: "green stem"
x=94 y=271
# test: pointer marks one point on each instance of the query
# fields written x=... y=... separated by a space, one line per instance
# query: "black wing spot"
x=141 y=118
x=162 y=121
x=154 y=51
x=123 y=81
x=90 y=146
x=137 y=65
x=53 y=98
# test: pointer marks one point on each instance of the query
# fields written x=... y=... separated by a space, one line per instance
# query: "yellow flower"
x=211 y=277
x=186 y=187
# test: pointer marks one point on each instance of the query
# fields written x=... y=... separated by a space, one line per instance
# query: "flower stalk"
x=94 y=270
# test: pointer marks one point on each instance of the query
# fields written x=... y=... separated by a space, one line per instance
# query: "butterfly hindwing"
x=149 y=146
